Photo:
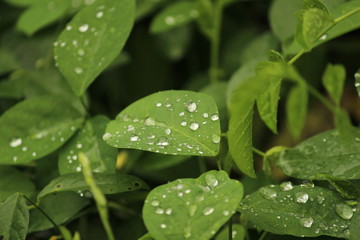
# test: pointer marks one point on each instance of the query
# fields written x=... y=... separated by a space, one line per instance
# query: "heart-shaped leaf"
x=169 y=122
x=192 y=208
x=327 y=153
x=108 y=183
x=14 y=218
x=302 y=210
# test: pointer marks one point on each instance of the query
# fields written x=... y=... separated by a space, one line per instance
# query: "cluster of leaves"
x=60 y=153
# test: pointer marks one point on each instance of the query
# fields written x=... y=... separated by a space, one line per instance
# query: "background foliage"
x=187 y=119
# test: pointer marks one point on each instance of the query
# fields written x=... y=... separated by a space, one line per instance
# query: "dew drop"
x=78 y=70
x=78 y=169
x=286 y=186
x=169 y=20
x=159 y=211
x=84 y=27
x=158 y=104
x=226 y=213
x=155 y=203
x=149 y=121
x=167 y=131
x=163 y=226
x=301 y=197
x=323 y=37
x=216 y=138
x=81 y=52
x=130 y=128
x=320 y=199
x=208 y=210
x=268 y=193
x=194 y=126
x=187 y=232
x=107 y=136
x=306 y=222
x=68 y=27
x=168 y=211
x=134 y=138
x=211 y=180
x=15 y=142
x=183 y=124
x=344 y=211
x=24 y=149
x=34 y=154
x=191 y=107
x=214 y=117
x=163 y=141
x=192 y=210
x=99 y=14
x=181 y=114
x=79 y=146
x=205 y=115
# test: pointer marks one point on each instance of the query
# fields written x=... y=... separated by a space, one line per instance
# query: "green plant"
x=149 y=172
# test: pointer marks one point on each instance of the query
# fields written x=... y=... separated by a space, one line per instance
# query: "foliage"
x=136 y=119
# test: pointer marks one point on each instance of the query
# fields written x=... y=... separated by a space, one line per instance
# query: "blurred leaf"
x=91 y=35
x=8 y=61
x=357 y=81
x=42 y=14
x=169 y=122
x=327 y=153
x=296 y=109
x=345 y=188
x=60 y=208
x=13 y=181
x=36 y=127
x=146 y=7
x=177 y=14
x=333 y=80
x=316 y=4
x=298 y=210
x=89 y=141
x=355 y=226
x=153 y=161
x=168 y=216
x=313 y=22
x=108 y=183
x=14 y=218
x=238 y=233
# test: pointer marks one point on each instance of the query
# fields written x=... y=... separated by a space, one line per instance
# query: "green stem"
x=321 y=98
x=43 y=212
x=255 y=150
x=346 y=15
x=99 y=197
x=230 y=228
x=263 y=235
x=215 y=42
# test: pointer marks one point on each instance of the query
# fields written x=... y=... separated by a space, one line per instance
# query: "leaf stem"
x=99 y=197
x=346 y=15
x=263 y=235
x=255 y=150
x=230 y=228
x=215 y=42
x=321 y=98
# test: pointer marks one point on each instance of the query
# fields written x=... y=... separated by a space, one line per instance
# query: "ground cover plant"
x=187 y=119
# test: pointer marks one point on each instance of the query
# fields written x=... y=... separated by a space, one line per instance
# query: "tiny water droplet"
x=163 y=225
x=33 y=154
x=168 y=211
x=268 y=193
x=107 y=136
x=15 y=142
x=99 y=14
x=163 y=141
x=149 y=121
x=191 y=107
x=286 y=186
x=79 y=146
x=155 y=203
x=181 y=114
x=192 y=210
x=306 y=222
x=226 y=213
x=194 y=126
x=323 y=37
x=208 y=210
x=134 y=138
x=78 y=70
x=301 y=197
x=84 y=27
x=320 y=199
x=344 y=211
x=211 y=180
x=167 y=131
x=24 y=149
x=158 y=104
x=187 y=232
x=159 y=211
x=169 y=20
x=68 y=27
x=216 y=138
x=214 y=117
x=78 y=169
x=183 y=124
x=81 y=52
x=205 y=115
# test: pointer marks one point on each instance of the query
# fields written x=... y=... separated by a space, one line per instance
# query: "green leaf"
x=89 y=141
x=36 y=127
x=333 y=80
x=190 y=208
x=177 y=14
x=312 y=24
x=13 y=181
x=147 y=236
x=238 y=233
x=169 y=122
x=146 y=7
x=282 y=18
x=298 y=210
x=8 y=61
x=357 y=81
x=23 y=2
x=328 y=153
x=153 y=161
x=42 y=14
x=108 y=183
x=355 y=226
x=14 y=218
x=92 y=40
x=345 y=188
x=316 y=4
x=296 y=109
x=60 y=208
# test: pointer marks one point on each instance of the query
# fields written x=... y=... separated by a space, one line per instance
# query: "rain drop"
x=207 y=211
x=15 y=142
x=344 y=211
x=211 y=180
x=159 y=211
x=81 y=52
x=301 y=197
x=163 y=225
x=134 y=138
x=163 y=141
x=155 y=203
x=79 y=146
x=205 y=115
x=194 y=126
x=78 y=70
x=216 y=138
x=24 y=149
x=130 y=128
x=167 y=131
x=323 y=37
x=169 y=20
x=168 y=211
x=107 y=136
x=158 y=104
x=149 y=121
x=268 y=193
x=286 y=186
x=214 y=117
x=226 y=213
x=68 y=27
x=84 y=27
x=181 y=114
x=191 y=107
x=306 y=222
x=99 y=14
x=183 y=124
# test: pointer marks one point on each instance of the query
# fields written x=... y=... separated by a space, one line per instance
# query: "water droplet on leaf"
x=301 y=197
x=306 y=222
x=84 y=27
x=191 y=107
x=15 y=142
x=208 y=210
x=194 y=126
x=268 y=193
x=344 y=211
x=286 y=186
